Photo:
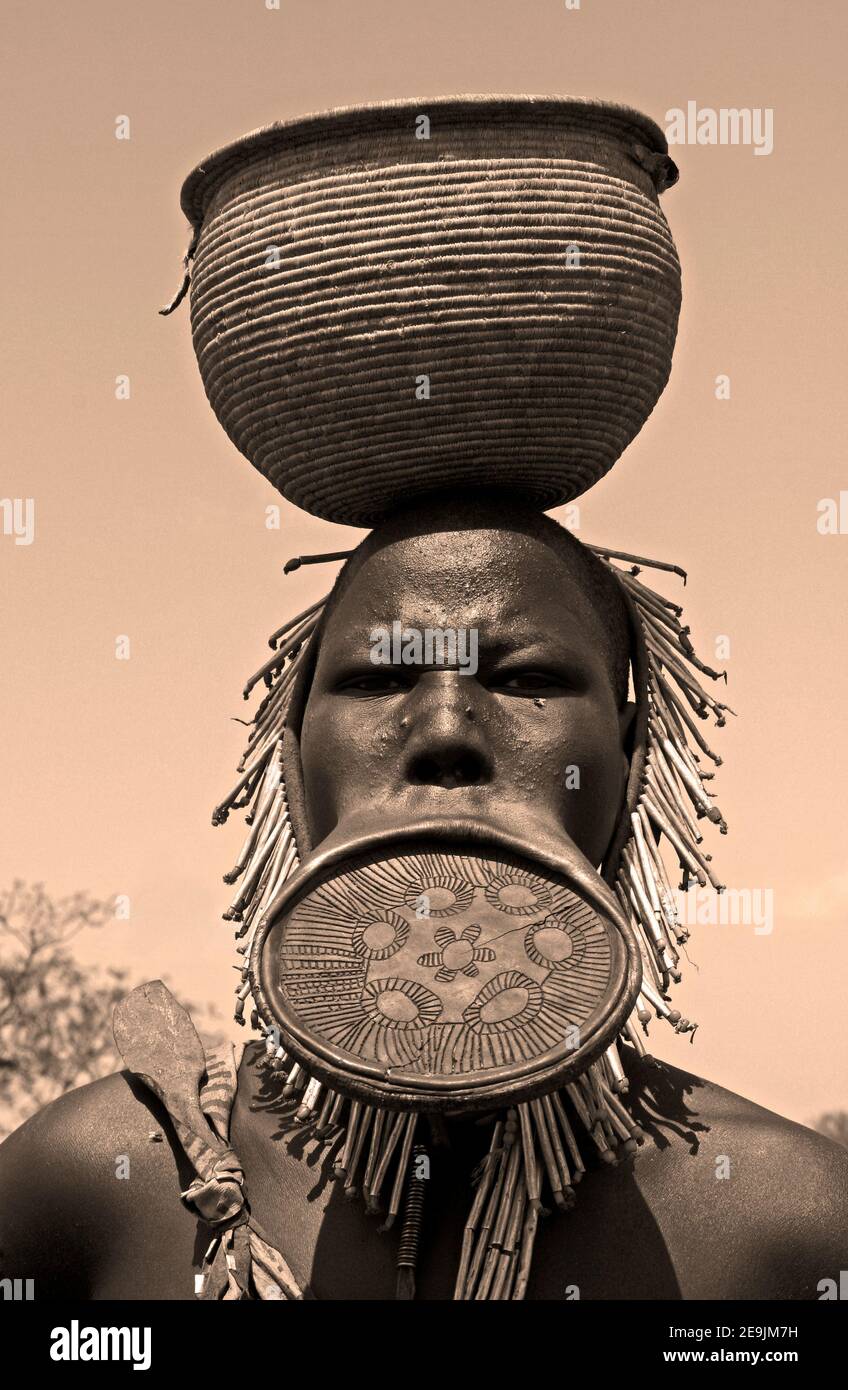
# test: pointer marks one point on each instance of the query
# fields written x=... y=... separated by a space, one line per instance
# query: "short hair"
x=474 y=510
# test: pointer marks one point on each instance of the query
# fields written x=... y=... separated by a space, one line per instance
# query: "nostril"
x=458 y=769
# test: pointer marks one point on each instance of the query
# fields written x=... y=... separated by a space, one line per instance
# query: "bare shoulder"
x=90 y=1179
x=730 y=1178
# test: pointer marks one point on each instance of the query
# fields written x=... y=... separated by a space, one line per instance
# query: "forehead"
x=498 y=581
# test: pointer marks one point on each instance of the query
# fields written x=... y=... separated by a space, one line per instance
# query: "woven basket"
x=518 y=259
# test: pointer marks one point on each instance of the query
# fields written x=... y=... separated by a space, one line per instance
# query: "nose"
x=447 y=746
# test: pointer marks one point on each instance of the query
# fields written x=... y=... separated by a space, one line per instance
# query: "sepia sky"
x=149 y=524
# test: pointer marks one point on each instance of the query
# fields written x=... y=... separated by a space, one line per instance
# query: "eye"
x=372 y=683
x=529 y=682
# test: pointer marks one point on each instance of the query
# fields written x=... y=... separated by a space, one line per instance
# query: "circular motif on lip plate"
x=379 y=935
x=479 y=1005
x=401 y=1003
x=556 y=941
x=438 y=895
x=508 y=1001
x=519 y=893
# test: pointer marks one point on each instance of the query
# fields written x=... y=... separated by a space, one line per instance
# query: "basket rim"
x=199 y=185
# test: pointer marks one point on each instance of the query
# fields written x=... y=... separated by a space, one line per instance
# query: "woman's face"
x=535 y=727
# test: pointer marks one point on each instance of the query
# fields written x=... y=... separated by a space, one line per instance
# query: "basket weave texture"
x=518 y=259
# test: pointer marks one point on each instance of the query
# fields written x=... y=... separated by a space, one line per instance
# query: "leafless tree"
x=55 y=1015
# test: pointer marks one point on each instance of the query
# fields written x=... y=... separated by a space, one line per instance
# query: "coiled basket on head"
x=475 y=291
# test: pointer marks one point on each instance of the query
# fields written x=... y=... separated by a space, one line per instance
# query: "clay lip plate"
x=431 y=989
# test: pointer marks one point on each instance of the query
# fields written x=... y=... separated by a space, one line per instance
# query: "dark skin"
x=421 y=739
x=659 y=1227
x=664 y=1225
